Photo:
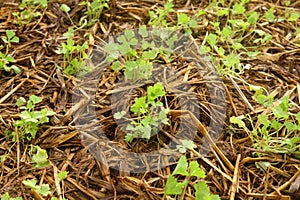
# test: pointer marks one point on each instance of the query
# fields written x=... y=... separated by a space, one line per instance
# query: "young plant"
x=27 y=126
x=94 y=10
x=29 y=11
x=74 y=55
x=276 y=132
x=5 y=58
x=43 y=189
x=39 y=157
x=150 y=114
x=188 y=170
x=139 y=56
x=7 y=197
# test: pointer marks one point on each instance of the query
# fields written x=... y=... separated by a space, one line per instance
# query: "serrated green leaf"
x=181 y=167
x=238 y=120
x=195 y=170
x=119 y=115
x=173 y=187
x=62 y=175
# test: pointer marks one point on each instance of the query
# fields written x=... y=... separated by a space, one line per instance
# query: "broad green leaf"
x=155 y=91
x=31 y=183
x=173 y=187
x=183 y=19
x=20 y=102
x=40 y=157
x=181 y=167
x=65 y=8
x=195 y=170
x=10 y=34
x=212 y=39
x=139 y=106
x=143 y=31
x=252 y=17
x=238 y=120
x=201 y=190
x=62 y=175
x=119 y=115
x=35 y=99
x=44 y=190
x=189 y=144
x=238 y=9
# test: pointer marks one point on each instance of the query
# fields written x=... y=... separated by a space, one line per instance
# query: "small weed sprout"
x=276 y=132
x=27 y=126
x=188 y=170
x=5 y=58
x=94 y=10
x=150 y=113
x=29 y=11
x=74 y=55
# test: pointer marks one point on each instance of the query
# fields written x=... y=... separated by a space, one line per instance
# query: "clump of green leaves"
x=94 y=10
x=277 y=132
x=27 y=126
x=139 y=51
x=150 y=114
x=184 y=22
x=5 y=59
x=39 y=157
x=188 y=170
x=29 y=11
x=74 y=55
x=43 y=189
x=7 y=197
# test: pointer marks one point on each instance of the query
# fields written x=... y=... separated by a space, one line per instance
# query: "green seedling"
x=185 y=144
x=7 y=197
x=94 y=10
x=188 y=170
x=140 y=56
x=29 y=11
x=39 y=157
x=43 y=189
x=276 y=132
x=150 y=114
x=5 y=59
x=27 y=126
x=74 y=55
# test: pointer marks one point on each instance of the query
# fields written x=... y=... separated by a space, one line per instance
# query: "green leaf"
x=252 y=17
x=294 y=17
x=181 y=167
x=30 y=183
x=173 y=187
x=269 y=14
x=35 y=99
x=65 y=8
x=201 y=190
x=183 y=19
x=155 y=91
x=44 y=190
x=10 y=34
x=20 y=102
x=195 y=170
x=40 y=157
x=139 y=106
x=116 y=66
x=62 y=175
x=119 y=115
x=212 y=39
x=143 y=31
x=238 y=9
x=189 y=144
x=238 y=120
x=151 y=54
